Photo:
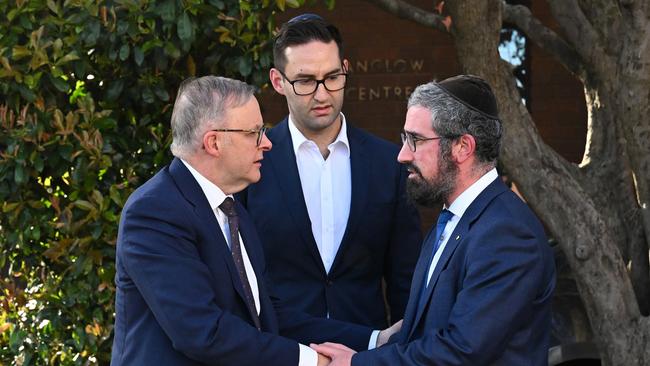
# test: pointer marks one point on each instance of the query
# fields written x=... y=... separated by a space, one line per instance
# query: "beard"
x=435 y=191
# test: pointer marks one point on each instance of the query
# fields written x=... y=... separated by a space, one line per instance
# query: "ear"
x=211 y=143
x=276 y=80
x=463 y=148
x=346 y=65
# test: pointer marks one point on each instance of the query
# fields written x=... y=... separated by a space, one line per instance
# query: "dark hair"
x=300 y=30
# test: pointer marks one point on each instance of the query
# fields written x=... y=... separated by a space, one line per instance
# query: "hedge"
x=86 y=91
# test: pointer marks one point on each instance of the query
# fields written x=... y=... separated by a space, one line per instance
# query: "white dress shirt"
x=327 y=189
x=326 y=186
x=215 y=196
x=458 y=208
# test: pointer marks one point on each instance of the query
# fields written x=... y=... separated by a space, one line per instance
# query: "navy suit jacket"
x=179 y=298
x=489 y=299
x=382 y=238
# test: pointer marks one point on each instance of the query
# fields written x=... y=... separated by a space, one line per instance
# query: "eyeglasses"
x=411 y=140
x=334 y=82
x=259 y=131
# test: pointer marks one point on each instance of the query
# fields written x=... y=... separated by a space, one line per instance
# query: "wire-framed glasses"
x=259 y=131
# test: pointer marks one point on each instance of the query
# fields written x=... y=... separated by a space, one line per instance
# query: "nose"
x=405 y=154
x=265 y=144
x=321 y=93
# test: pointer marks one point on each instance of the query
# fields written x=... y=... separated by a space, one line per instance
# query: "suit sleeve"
x=158 y=252
x=403 y=250
x=505 y=270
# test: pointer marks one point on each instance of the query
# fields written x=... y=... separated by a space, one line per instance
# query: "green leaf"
x=172 y=51
x=20 y=175
x=84 y=205
x=184 y=27
x=60 y=84
x=293 y=3
x=114 y=89
x=245 y=65
x=138 y=55
x=124 y=52
x=147 y=96
x=72 y=56
x=161 y=94
x=29 y=95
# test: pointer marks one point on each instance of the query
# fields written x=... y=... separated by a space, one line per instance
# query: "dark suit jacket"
x=489 y=299
x=179 y=298
x=382 y=238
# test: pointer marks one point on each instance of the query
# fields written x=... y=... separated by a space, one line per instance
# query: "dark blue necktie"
x=443 y=218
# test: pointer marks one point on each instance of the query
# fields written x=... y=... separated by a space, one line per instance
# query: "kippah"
x=473 y=92
x=304 y=17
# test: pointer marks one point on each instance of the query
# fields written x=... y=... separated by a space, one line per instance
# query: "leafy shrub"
x=86 y=90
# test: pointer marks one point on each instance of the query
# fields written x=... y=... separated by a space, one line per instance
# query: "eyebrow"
x=312 y=76
x=414 y=134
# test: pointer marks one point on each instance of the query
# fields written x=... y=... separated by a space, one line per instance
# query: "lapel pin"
x=458 y=237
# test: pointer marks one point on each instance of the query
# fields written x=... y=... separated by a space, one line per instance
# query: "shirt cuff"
x=307 y=357
x=373 y=339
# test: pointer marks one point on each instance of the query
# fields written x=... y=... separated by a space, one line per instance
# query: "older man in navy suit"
x=482 y=288
x=190 y=269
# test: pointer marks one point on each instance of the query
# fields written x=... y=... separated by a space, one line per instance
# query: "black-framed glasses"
x=411 y=140
x=334 y=82
x=259 y=131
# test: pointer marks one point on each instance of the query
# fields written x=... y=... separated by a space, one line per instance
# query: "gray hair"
x=201 y=104
x=451 y=119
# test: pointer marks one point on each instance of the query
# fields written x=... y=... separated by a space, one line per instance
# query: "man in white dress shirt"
x=331 y=207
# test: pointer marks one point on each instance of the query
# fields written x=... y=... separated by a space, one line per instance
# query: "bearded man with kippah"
x=482 y=288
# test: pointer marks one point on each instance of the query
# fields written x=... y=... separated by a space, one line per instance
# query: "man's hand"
x=385 y=334
x=323 y=360
x=340 y=354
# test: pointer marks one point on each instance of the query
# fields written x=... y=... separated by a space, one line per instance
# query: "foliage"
x=86 y=89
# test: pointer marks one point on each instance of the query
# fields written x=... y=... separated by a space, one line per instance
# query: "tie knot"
x=445 y=215
x=228 y=207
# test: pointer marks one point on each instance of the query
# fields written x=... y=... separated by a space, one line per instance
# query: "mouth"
x=321 y=110
x=413 y=171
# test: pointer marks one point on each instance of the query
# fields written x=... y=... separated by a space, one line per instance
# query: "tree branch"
x=544 y=37
x=410 y=12
x=580 y=34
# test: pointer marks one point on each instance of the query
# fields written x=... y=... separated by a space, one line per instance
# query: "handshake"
x=335 y=354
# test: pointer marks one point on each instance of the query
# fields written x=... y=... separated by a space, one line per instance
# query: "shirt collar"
x=213 y=193
x=460 y=204
x=298 y=139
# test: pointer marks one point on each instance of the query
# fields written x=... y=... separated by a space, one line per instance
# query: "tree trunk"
x=598 y=211
x=591 y=210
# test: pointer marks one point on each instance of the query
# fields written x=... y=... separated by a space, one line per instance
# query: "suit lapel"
x=360 y=161
x=421 y=268
x=283 y=162
x=450 y=248
x=462 y=229
x=193 y=193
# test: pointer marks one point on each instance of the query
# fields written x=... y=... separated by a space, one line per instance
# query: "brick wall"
x=390 y=57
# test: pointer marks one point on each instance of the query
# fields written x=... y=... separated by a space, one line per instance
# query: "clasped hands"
x=335 y=354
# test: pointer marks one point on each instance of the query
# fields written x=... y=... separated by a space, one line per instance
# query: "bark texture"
x=599 y=210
